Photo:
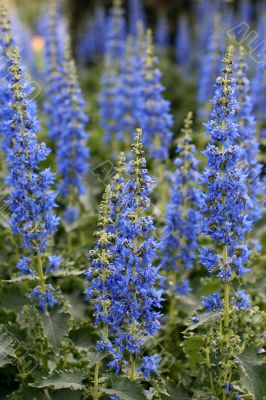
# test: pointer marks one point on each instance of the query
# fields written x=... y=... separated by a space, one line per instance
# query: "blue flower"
x=54 y=263
x=31 y=202
x=152 y=110
x=136 y=15
x=150 y=365
x=24 y=266
x=247 y=139
x=114 y=54
x=45 y=298
x=183 y=45
x=213 y=302
x=162 y=37
x=225 y=202
x=179 y=238
x=241 y=300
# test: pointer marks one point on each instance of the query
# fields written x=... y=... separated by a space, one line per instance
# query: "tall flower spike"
x=136 y=15
x=179 y=239
x=114 y=53
x=30 y=202
x=125 y=100
x=54 y=46
x=225 y=207
x=247 y=138
x=209 y=68
x=137 y=299
x=162 y=38
x=72 y=151
x=183 y=45
x=102 y=272
x=153 y=111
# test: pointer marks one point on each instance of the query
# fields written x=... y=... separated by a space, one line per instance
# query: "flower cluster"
x=136 y=15
x=225 y=202
x=153 y=111
x=123 y=276
x=31 y=202
x=247 y=138
x=92 y=42
x=183 y=45
x=179 y=238
x=67 y=121
x=114 y=53
x=162 y=37
x=72 y=151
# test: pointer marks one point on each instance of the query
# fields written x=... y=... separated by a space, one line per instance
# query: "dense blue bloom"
x=114 y=54
x=209 y=68
x=136 y=15
x=225 y=202
x=72 y=152
x=31 y=202
x=122 y=275
x=162 y=37
x=153 y=111
x=247 y=139
x=92 y=41
x=67 y=121
x=179 y=238
x=213 y=302
x=183 y=49
x=125 y=99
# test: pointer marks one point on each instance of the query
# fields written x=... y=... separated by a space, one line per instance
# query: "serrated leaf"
x=62 y=273
x=125 y=390
x=191 y=348
x=71 y=379
x=94 y=357
x=175 y=393
x=203 y=319
x=7 y=348
x=254 y=368
x=56 y=326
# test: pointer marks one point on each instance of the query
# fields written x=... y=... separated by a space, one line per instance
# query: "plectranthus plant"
x=72 y=150
x=208 y=69
x=31 y=202
x=247 y=138
x=183 y=45
x=225 y=206
x=54 y=47
x=153 y=111
x=136 y=15
x=114 y=53
x=179 y=241
x=126 y=283
x=125 y=100
x=162 y=36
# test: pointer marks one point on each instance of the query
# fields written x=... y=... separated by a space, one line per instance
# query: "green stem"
x=133 y=369
x=96 y=394
x=40 y=272
x=210 y=369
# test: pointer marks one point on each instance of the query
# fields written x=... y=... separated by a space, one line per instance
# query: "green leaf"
x=211 y=286
x=254 y=368
x=204 y=319
x=66 y=394
x=70 y=379
x=12 y=299
x=175 y=393
x=191 y=348
x=56 y=326
x=125 y=390
x=7 y=348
